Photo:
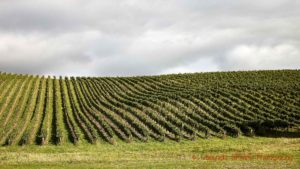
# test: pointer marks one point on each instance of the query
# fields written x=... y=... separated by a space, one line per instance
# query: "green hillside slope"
x=44 y=110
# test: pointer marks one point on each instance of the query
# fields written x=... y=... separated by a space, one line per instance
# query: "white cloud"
x=205 y=64
x=282 y=56
x=147 y=37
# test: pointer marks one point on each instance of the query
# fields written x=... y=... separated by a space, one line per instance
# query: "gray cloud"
x=113 y=38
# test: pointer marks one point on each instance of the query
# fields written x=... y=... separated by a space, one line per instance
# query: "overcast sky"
x=139 y=37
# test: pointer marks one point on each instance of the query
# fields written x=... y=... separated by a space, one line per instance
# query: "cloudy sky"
x=147 y=37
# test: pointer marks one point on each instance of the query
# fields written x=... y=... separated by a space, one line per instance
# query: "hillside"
x=49 y=110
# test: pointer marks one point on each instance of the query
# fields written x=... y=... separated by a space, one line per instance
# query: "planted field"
x=49 y=110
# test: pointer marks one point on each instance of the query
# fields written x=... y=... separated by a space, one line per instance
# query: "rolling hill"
x=60 y=110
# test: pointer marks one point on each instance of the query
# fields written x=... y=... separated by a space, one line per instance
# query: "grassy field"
x=243 y=152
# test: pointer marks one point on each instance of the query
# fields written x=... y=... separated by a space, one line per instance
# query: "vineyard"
x=59 y=110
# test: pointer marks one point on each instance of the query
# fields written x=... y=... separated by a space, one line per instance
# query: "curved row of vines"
x=51 y=110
